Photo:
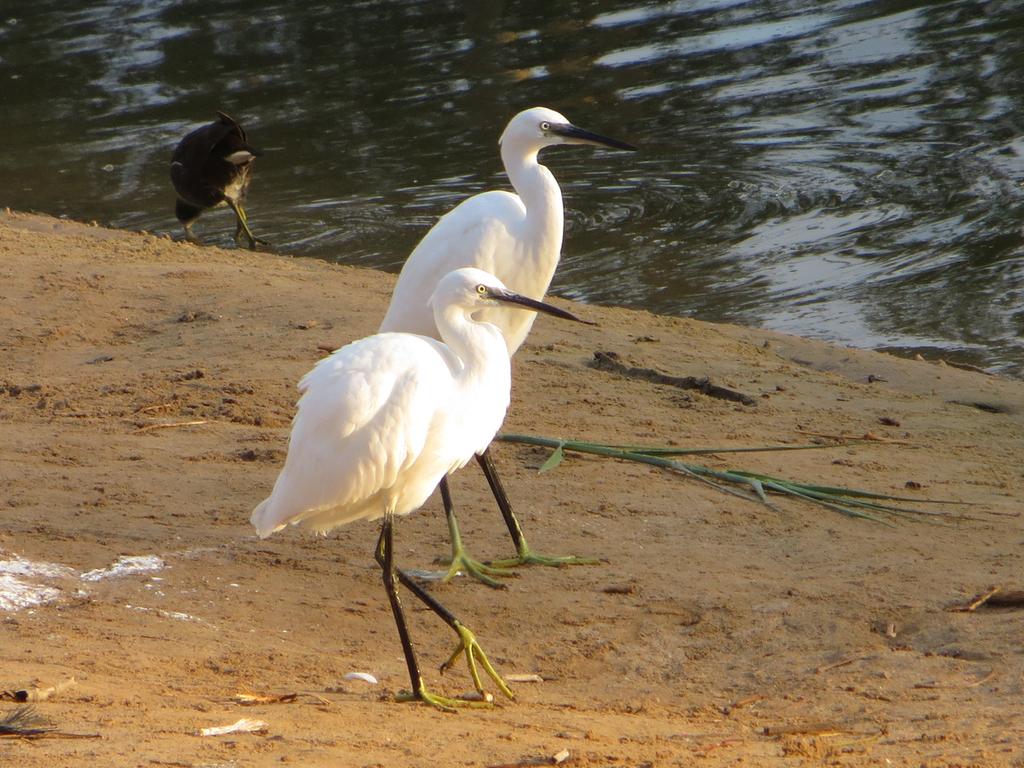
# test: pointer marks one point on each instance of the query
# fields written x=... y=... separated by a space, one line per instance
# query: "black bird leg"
x=461 y=559
x=468 y=643
x=524 y=555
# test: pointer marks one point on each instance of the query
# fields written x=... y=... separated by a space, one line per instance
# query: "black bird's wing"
x=208 y=159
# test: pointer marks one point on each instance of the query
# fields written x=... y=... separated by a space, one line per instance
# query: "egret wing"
x=363 y=419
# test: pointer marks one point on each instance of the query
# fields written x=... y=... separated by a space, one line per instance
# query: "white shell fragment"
x=366 y=677
x=245 y=725
x=476 y=696
x=560 y=757
x=524 y=678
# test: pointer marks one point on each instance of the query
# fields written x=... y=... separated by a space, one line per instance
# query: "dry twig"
x=609 y=361
x=839 y=663
x=172 y=425
x=870 y=437
x=808 y=729
x=981 y=680
x=526 y=677
x=252 y=699
x=975 y=602
x=38 y=694
x=157 y=407
x=728 y=708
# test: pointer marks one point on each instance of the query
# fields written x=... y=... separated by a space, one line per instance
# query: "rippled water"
x=845 y=170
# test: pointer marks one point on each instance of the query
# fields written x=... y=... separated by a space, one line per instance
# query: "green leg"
x=243 y=226
x=524 y=555
x=392 y=576
x=190 y=235
x=461 y=559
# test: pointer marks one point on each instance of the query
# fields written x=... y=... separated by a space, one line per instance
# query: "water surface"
x=839 y=169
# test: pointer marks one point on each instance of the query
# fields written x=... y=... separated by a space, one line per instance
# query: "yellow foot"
x=444 y=703
x=252 y=243
x=529 y=557
x=462 y=562
x=474 y=653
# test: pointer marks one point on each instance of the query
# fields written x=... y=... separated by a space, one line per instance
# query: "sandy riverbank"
x=713 y=619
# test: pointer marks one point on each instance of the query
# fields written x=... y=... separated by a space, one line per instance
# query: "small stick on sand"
x=810 y=729
x=728 y=708
x=609 y=361
x=252 y=699
x=524 y=678
x=981 y=680
x=840 y=663
x=973 y=684
x=976 y=602
x=706 y=749
x=149 y=427
x=870 y=437
x=38 y=694
x=157 y=407
x=320 y=699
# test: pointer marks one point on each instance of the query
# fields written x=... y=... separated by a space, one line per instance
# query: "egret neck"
x=543 y=226
x=480 y=348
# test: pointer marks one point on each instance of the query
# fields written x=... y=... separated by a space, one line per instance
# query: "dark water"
x=845 y=170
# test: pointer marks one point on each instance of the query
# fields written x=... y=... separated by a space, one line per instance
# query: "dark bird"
x=212 y=166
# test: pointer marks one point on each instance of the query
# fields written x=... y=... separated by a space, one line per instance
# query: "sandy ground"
x=719 y=631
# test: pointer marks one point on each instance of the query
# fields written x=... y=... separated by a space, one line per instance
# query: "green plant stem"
x=848 y=501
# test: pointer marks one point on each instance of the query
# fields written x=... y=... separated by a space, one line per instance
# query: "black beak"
x=508 y=297
x=580 y=136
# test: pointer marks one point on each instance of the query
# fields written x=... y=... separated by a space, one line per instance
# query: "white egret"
x=518 y=238
x=382 y=420
x=213 y=166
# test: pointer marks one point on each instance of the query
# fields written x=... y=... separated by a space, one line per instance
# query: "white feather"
x=382 y=420
x=515 y=237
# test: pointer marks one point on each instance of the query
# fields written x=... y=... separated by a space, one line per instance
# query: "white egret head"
x=472 y=289
x=539 y=127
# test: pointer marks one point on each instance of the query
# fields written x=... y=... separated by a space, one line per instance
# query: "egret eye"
x=481 y=289
x=545 y=126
